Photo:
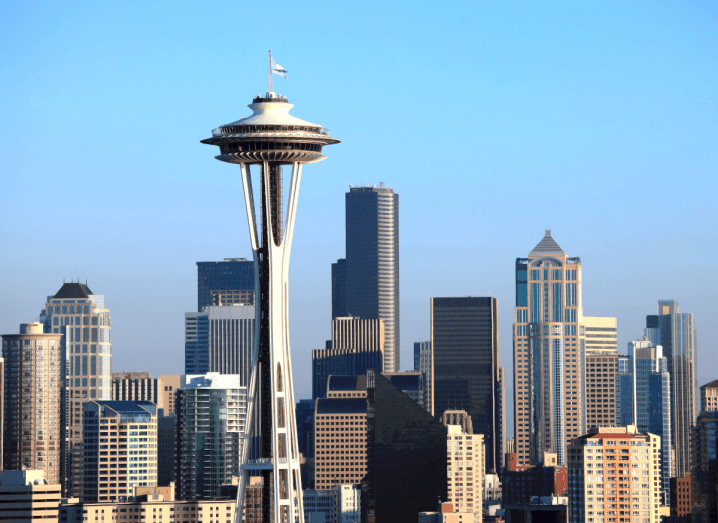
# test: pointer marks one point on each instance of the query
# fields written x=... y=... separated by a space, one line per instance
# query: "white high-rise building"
x=211 y=420
x=465 y=471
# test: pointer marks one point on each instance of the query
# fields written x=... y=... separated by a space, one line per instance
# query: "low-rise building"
x=341 y=504
x=546 y=509
x=520 y=484
x=26 y=496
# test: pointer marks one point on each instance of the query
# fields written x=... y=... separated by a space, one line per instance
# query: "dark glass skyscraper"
x=339 y=289
x=406 y=456
x=465 y=344
x=225 y=282
x=372 y=262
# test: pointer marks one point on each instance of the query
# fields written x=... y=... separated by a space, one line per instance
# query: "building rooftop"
x=73 y=290
x=712 y=385
x=346 y=383
x=547 y=245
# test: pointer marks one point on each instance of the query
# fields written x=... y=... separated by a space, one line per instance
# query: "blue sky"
x=493 y=122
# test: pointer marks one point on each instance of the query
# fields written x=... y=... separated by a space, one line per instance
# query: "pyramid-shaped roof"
x=73 y=290
x=713 y=384
x=547 y=245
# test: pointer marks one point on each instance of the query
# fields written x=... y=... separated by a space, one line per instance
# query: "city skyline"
x=140 y=266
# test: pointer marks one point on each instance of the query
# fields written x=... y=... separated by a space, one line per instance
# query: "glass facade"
x=406 y=456
x=704 y=474
x=225 y=283
x=676 y=333
x=466 y=366
x=339 y=289
x=372 y=262
x=643 y=399
x=423 y=363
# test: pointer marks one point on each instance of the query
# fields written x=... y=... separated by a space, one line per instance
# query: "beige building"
x=170 y=384
x=601 y=334
x=340 y=435
x=458 y=417
x=614 y=476
x=356 y=345
x=32 y=402
x=120 y=441
x=26 y=496
x=709 y=397
x=600 y=379
x=157 y=506
x=465 y=471
x=82 y=318
x=138 y=386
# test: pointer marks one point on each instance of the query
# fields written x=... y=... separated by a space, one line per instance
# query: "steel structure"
x=271 y=138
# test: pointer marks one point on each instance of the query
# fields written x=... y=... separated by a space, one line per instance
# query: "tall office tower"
x=220 y=339
x=372 y=261
x=643 y=399
x=600 y=386
x=549 y=346
x=137 y=386
x=32 y=391
x=406 y=456
x=465 y=344
x=86 y=353
x=130 y=427
x=211 y=421
x=340 y=433
x=423 y=363
x=356 y=346
x=677 y=334
x=170 y=384
x=410 y=383
x=704 y=473
x=601 y=334
x=709 y=397
x=228 y=282
x=613 y=475
x=271 y=138
x=339 y=289
x=464 y=473
x=460 y=418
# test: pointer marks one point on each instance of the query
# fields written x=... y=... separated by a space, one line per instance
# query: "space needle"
x=271 y=139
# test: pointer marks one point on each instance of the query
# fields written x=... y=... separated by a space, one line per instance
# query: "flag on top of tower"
x=278 y=69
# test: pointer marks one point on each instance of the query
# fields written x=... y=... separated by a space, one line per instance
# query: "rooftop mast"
x=269 y=76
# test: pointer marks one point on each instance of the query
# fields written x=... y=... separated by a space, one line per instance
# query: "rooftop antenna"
x=269 y=76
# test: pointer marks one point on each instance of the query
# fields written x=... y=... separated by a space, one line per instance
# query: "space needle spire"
x=271 y=139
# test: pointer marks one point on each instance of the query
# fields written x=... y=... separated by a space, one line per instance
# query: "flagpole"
x=271 y=87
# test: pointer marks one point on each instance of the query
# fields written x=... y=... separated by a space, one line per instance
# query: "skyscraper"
x=465 y=344
x=549 y=349
x=138 y=386
x=339 y=289
x=220 y=339
x=130 y=427
x=86 y=370
x=423 y=363
x=600 y=386
x=356 y=346
x=676 y=332
x=211 y=420
x=704 y=473
x=643 y=399
x=32 y=392
x=464 y=471
x=372 y=262
x=228 y=282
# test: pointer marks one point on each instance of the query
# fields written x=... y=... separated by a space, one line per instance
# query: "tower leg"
x=271 y=407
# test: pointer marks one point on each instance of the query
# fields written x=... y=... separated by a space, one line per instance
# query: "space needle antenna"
x=269 y=76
